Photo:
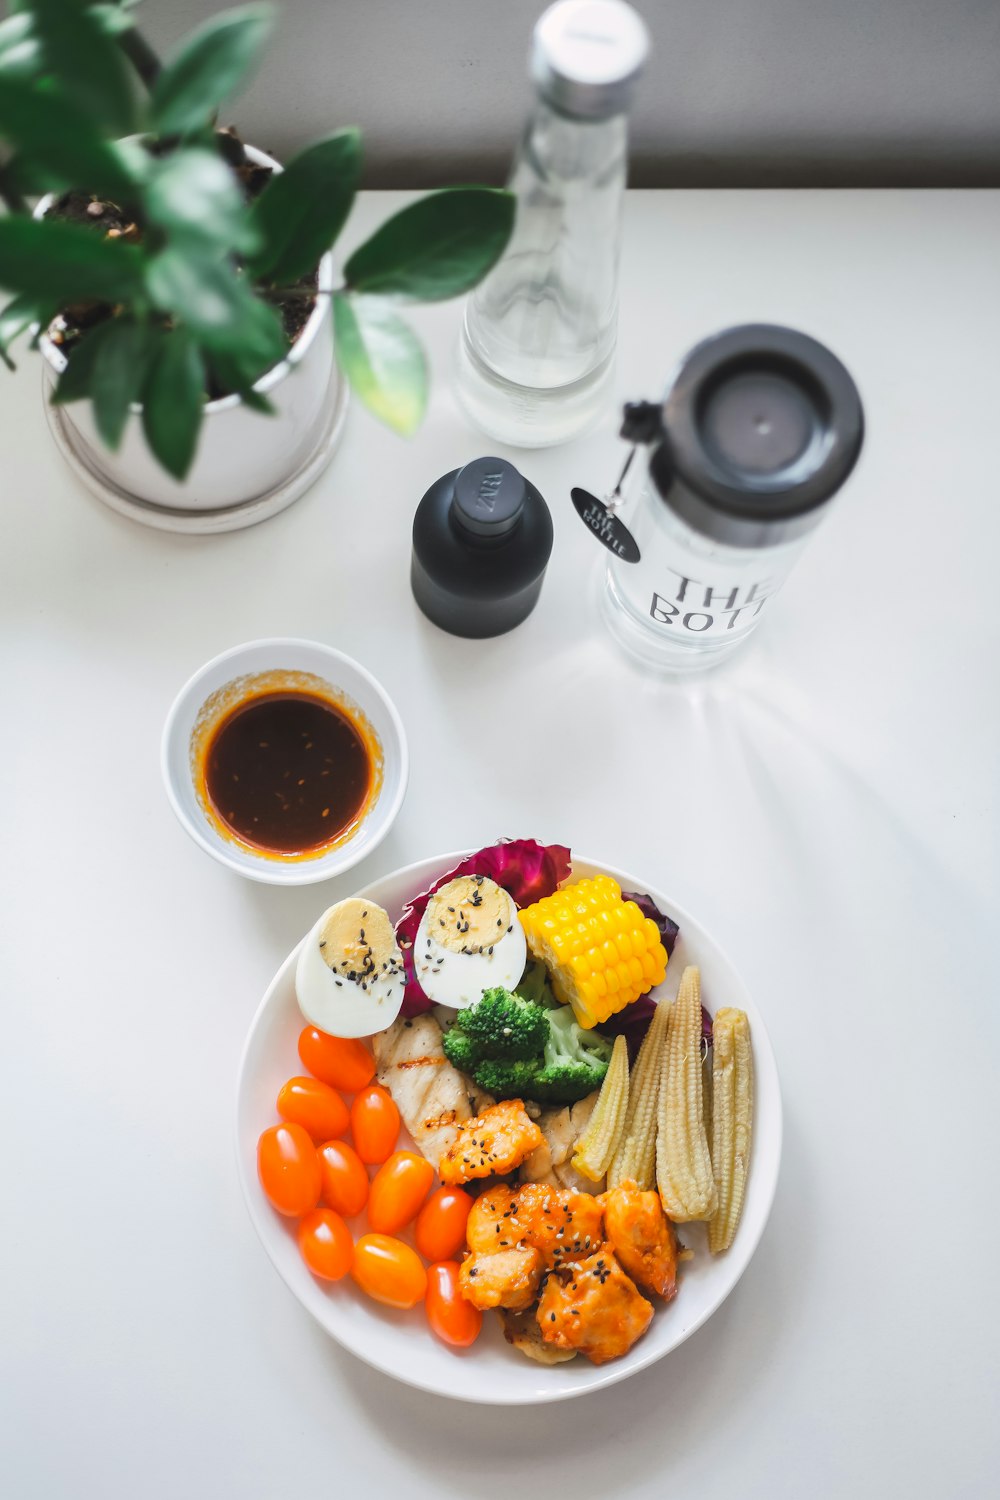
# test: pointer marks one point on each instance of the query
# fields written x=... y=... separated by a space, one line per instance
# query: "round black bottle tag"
x=606 y=526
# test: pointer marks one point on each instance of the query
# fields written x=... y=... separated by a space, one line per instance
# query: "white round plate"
x=491 y=1372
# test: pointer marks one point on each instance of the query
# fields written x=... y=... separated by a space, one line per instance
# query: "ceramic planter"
x=248 y=466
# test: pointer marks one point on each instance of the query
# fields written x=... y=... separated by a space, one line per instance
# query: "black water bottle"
x=482 y=537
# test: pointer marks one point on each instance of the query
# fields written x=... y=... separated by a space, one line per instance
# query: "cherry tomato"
x=326 y=1245
x=288 y=1168
x=345 y=1181
x=374 y=1123
x=315 y=1106
x=389 y=1271
x=440 y=1227
x=342 y=1062
x=454 y=1320
x=398 y=1188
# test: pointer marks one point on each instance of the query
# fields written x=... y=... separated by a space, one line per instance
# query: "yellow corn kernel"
x=600 y=951
x=683 y=1164
x=636 y=1154
x=732 y=1122
x=599 y=1142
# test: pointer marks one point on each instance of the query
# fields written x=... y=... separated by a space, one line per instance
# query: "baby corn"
x=599 y=1142
x=600 y=951
x=732 y=1119
x=635 y=1158
x=683 y=1164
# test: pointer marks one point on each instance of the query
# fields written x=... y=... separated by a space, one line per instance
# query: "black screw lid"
x=489 y=498
x=763 y=425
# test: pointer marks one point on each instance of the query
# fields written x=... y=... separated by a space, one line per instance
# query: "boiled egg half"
x=349 y=978
x=469 y=940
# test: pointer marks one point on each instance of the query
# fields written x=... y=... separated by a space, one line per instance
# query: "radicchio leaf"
x=525 y=869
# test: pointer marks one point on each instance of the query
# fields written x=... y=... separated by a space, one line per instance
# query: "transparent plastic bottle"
x=535 y=361
x=760 y=428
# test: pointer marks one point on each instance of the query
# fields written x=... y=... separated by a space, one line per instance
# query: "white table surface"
x=827 y=806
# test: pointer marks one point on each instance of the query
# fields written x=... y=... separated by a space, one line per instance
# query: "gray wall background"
x=738 y=92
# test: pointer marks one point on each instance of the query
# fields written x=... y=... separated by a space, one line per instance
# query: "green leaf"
x=20 y=54
x=173 y=402
x=207 y=68
x=207 y=294
x=302 y=209
x=382 y=358
x=438 y=247
x=16 y=318
x=75 y=381
x=118 y=375
x=194 y=197
x=64 y=262
x=237 y=375
x=88 y=65
x=58 y=135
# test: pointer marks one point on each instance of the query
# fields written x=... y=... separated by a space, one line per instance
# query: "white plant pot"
x=248 y=466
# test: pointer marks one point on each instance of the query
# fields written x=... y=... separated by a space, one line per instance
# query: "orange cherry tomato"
x=343 y=1062
x=398 y=1188
x=454 y=1320
x=345 y=1181
x=326 y=1244
x=440 y=1227
x=389 y=1271
x=374 y=1123
x=288 y=1168
x=315 y=1106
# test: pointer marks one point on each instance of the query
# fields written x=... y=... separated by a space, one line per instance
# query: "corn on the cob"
x=732 y=1122
x=600 y=951
x=596 y=1147
x=683 y=1165
x=635 y=1158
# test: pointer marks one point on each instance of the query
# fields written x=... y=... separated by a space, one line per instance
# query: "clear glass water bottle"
x=536 y=354
x=760 y=428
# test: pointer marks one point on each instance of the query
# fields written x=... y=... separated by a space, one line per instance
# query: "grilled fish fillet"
x=432 y=1096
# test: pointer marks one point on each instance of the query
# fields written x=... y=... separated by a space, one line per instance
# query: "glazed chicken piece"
x=489 y=1144
x=508 y=1278
x=642 y=1237
x=593 y=1308
x=561 y=1225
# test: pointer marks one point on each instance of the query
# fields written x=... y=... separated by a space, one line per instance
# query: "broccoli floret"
x=575 y=1061
x=502 y=1025
x=460 y=1050
x=534 y=985
x=510 y=1078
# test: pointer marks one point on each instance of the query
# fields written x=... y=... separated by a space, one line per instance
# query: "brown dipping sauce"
x=287 y=772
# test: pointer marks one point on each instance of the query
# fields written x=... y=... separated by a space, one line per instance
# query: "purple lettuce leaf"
x=525 y=869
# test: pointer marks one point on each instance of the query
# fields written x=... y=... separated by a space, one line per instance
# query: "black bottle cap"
x=763 y=425
x=489 y=498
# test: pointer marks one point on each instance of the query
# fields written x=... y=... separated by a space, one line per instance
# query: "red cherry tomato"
x=315 y=1106
x=288 y=1168
x=374 y=1123
x=454 y=1320
x=398 y=1188
x=345 y=1181
x=440 y=1227
x=341 y=1061
x=389 y=1271
x=326 y=1245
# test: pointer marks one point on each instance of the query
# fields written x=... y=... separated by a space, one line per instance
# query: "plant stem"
x=141 y=55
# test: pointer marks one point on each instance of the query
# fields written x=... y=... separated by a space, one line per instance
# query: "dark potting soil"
x=107 y=219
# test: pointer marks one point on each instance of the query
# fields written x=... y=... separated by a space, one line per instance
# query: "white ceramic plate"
x=399 y=1343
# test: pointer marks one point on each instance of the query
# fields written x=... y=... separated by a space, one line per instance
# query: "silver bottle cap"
x=587 y=55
